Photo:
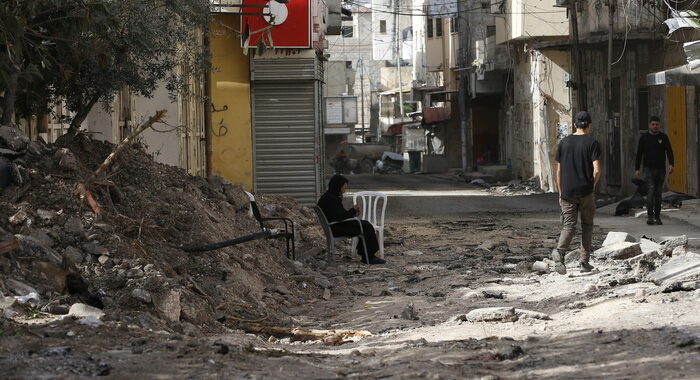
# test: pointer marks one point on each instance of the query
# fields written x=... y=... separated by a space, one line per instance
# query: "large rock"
x=502 y=314
x=38 y=249
x=679 y=268
x=648 y=245
x=168 y=305
x=617 y=237
x=674 y=242
x=19 y=288
x=619 y=251
x=13 y=138
x=81 y=310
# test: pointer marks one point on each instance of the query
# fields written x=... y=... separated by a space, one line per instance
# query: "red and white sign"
x=279 y=25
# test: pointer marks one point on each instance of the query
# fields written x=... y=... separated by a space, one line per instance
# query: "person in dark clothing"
x=653 y=149
x=331 y=203
x=578 y=170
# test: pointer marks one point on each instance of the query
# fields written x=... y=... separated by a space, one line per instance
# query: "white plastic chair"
x=372 y=210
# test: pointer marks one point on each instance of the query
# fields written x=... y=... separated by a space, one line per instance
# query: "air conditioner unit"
x=562 y=3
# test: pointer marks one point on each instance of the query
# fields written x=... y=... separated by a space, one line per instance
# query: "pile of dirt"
x=125 y=260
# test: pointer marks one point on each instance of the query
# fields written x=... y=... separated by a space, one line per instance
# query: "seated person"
x=331 y=203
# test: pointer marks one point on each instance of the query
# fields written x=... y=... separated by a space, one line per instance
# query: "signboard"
x=341 y=110
x=442 y=8
x=279 y=25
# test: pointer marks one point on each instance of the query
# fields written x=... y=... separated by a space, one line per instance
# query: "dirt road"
x=451 y=249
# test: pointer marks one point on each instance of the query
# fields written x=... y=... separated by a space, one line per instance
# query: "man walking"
x=578 y=168
x=654 y=147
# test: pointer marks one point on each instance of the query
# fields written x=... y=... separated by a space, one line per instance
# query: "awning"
x=686 y=75
x=435 y=114
x=394 y=130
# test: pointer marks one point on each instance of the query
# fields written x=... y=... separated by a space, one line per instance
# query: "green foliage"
x=84 y=51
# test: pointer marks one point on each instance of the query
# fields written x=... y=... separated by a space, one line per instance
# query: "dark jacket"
x=331 y=202
x=653 y=149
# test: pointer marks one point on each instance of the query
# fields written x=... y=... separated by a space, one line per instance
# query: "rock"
x=509 y=352
x=7 y=302
x=18 y=288
x=35 y=248
x=572 y=257
x=617 y=237
x=529 y=314
x=618 y=251
x=148 y=267
x=409 y=312
x=141 y=295
x=690 y=286
x=67 y=160
x=523 y=267
x=95 y=249
x=540 y=267
x=73 y=226
x=590 y=288
x=679 y=268
x=671 y=243
x=679 y=251
x=492 y=314
x=18 y=218
x=411 y=269
x=472 y=295
x=73 y=256
x=31 y=298
x=103 y=260
x=649 y=256
x=488 y=245
x=326 y=294
x=81 y=310
x=55 y=351
x=168 y=305
x=56 y=308
x=91 y=321
x=43 y=238
x=413 y=253
x=13 y=138
x=648 y=245
x=643 y=268
x=322 y=282
x=45 y=215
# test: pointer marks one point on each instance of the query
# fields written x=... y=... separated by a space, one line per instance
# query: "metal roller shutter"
x=286 y=130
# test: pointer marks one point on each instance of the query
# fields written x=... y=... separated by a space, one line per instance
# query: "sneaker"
x=650 y=221
x=558 y=258
x=657 y=221
x=585 y=267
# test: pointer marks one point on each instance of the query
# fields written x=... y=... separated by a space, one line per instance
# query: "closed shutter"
x=286 y=129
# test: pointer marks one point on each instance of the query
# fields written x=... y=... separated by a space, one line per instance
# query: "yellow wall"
x=232 y=144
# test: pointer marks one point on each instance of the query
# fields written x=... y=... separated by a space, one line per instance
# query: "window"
x=407 y=34
x=382 y=26
x=346 y=31
x=430 y=27
x=490 y=30
x=438 y=28
x=348 y=64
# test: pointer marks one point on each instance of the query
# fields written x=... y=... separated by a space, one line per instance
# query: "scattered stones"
x=141 y=295
x=73 y=226
x=671 y=243
x=36 y=248
x=502 y=314
x=617 y=237
x=413 y=253
x=19 y=288
x=409 y=312
x=649 y=256
x=619 y=251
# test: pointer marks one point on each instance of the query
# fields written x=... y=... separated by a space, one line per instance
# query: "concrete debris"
x=678 y=268
x=81 y=310
x=34 y=247
x=648 y=245
x=141 y=295
x=540 y=267
x=671 y=243
x=618 y=251
x=168 y=305
x=649 y=256
x=618 y=237
x=413 y=253
x=18 y=288
x=13 y=138
x=73 y=226
x=18 y=218
x=502 y=314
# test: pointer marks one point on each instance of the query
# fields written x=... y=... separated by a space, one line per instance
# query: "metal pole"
x=463 y=83
x=398 y=56
x=580 y=101
x=362 y=98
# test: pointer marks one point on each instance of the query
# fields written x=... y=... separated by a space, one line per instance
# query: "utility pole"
x=580 y=95
x=397 y=31
x=464 y=127
x=362 y=97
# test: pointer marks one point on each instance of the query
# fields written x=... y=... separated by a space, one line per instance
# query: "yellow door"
x=676 y=116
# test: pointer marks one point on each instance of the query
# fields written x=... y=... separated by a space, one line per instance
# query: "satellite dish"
x=276 y=13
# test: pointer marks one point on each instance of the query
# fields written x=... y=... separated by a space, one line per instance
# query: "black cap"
x=582 y=119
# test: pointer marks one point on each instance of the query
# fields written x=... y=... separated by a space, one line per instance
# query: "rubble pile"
x=57 y=252
x=519 y=187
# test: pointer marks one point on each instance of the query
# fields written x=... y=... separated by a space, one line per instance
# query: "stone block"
x=618 y=251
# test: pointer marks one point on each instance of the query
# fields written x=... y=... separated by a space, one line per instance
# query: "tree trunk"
x=82 y=114
x=8 y=107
